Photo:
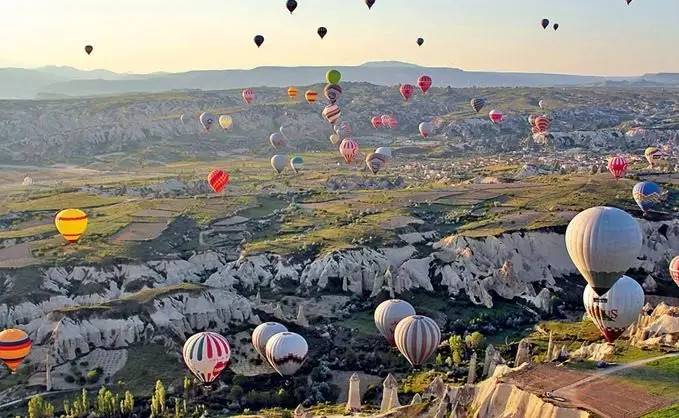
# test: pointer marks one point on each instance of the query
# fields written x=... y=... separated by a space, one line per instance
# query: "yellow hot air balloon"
x=226 y=122
x=71 y=224
x=14 y=347
x=292 y=92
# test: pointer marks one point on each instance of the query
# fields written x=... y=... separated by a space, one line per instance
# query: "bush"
x=93 y=376
x=69 y=379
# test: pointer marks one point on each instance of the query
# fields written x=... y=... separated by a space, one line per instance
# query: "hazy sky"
x=595 y=37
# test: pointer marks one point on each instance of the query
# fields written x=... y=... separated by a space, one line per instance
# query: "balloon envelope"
x=495 y=116
x=478 y=104
x=417 y=338
x=322 y=31
x=406 y=91
x=348 y=148
x=226 y=122
x=647 y=195
x=218 y=179
x=71 y=224
x=248 y=96
x=388 y=314
x=376 y=122
x=296 y=163
x=420 y=41
x=331 y=113
x=603 y=243
x=311 y=96
x=291 y=5
x=426 y=128
x=206 y=354
x=259 y=40
x=674 y=269
x=264 y=332
x=15 y=345
x=544 y=23
x=286 y=352
x=333 y=77
x=424 y=83
x=386 y=151
x=279 y=162
x=207 y=120
x=277 y=140
x=332 y=92
x=617 y=166
x=616 y=309
x=89 y=49
x=375 y=162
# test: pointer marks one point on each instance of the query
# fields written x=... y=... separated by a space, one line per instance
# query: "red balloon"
x=248 y=96
x=407 y=91
x=348 y=148
x=424 y=82
x=218 y=179
x=385 y=120
x=393 y=122
x=542 y=123
x=674 y=269
x=617 y=166
x=496 y=116
x=376 y=121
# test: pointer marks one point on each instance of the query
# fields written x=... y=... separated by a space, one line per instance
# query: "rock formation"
x=354 y=401
x=301 y=317
x=389 y=394
x=522 y=353
x=471 y=375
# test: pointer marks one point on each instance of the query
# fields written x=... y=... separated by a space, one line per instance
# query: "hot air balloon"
x=277 y=140
x=375 y=162
x=279 y=162
x=544 y=23
x=207 y=120
x=28 y=181
x=417 y=338
x=386 y=151
x=71 y=224
x=628 y=2
x=674 y=269
x=206 y=354
x=288 y=132
x=385 y=120
x=296 y=163
x=292 y=92
x=322 y=31
x=291 y=5
x=424 y=83
x=541 y=104
x=370 y=3
x=406 y=91
x=14 y=347
x=331 y=113
x=647 y=195
x=603 y=243
x=542 y=123
x=334 y=139
x=89 y=49
x=286 y=352
x=264 y=332
x=248 y=96
x=531 y=119
x=495 y=116
x=617 y=166
x=332 y=92
x=392 y=123
x=420 y=41
x=426 y=128
x=388 y=314
x=333 y=77
x=478 y=104
x=311 y=96
x=376 y=122
x=556 y=26
x=616 y=309
x=183 y=119
x=259 y=40
x=226 y=122
x=343 y=129
x=348 y=148
x=652 y=155
x=218 y=179
x=534 y=130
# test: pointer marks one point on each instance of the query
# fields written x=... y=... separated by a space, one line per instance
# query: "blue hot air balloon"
x=647 y=195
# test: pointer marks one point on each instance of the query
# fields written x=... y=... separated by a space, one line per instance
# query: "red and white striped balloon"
x=206 y=354
x=617 y=166
x=424 y=83
x=406 y=91
x=542 y=123
x=496 y=116
x=385 y=120
x=348 y=148
x=674 y=269
x=248 y=96
x=393 y=122
x=376 y=122
x=417 y=338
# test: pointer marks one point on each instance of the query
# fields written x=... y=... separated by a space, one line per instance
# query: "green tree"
x=474 y=340
x=457 y=358
x=39 y=408
x=439 y=360
x=127 y=404
x=158 y=400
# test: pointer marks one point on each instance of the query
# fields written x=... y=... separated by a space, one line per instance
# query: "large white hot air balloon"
x=264 y=332
x=616 y=309
x=206 y=354
x=388 y=314
x=279 y=162
x=286 y=352
x=386 y=151
x=603 y=243
x=417 y=338
x=426 y=128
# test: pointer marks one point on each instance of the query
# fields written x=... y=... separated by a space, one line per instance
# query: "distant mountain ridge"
x=18 y=83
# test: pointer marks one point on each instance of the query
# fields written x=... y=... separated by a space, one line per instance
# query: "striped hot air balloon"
x=332 y=92
x=206 y=354
x=417 y=338
x=495 y=116
x=292 y=92
x=424 y=83
x=264 y=332
x=616 y=309
x=542 y=123
x=296 y=163
x=674 y=269
x=376 y=122
x=343 y=129
x=531 y=119
x=375 y=162
x=277 y=140
x=647 y=195
x=393 y=122
x=388 y=314
x=348 y=148
x=311 y=96
x=617 y=166
x=478 y=104
x=406 y=91
x=426 y=128
x=385 y=120
x=14 y=347
x=71 y=224
x=248 y=96
x=218 y=179
x=286 y=352
x=331 y=113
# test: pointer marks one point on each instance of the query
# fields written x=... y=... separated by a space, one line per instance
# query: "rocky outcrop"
x=656 y=329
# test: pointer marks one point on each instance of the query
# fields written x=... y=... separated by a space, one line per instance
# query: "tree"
x=474 y=340
x=127 y=404
x=457 y=358
x=439 y=360
x=158 y=400
x=39 y=408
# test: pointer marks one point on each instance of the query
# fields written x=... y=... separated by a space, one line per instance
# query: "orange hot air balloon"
x=292 y=92
x=218 y=179
x=311 y=96
x=71 y=224
x=14 y=347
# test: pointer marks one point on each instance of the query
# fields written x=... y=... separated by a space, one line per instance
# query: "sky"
x=597 y=37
